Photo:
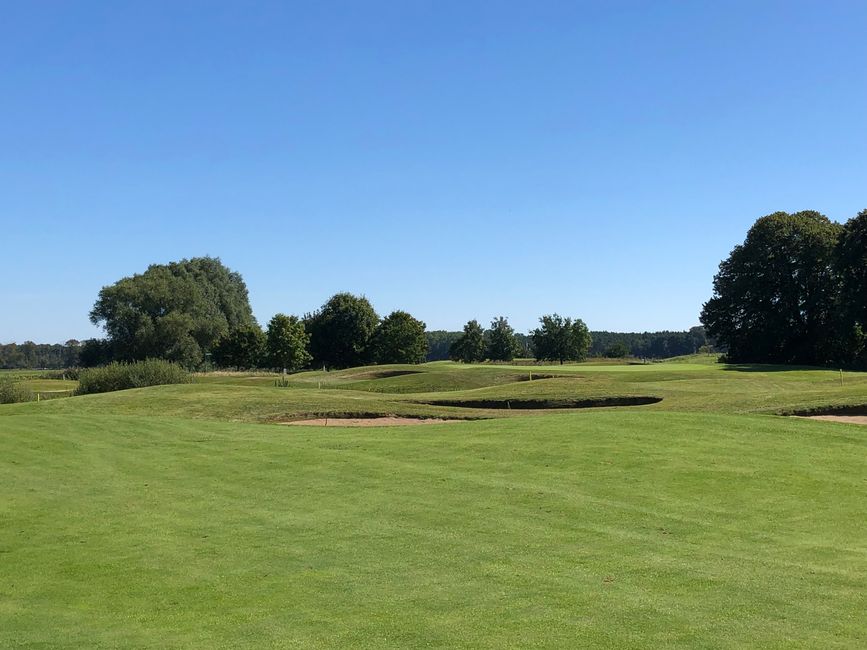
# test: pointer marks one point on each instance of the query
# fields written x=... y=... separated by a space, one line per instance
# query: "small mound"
x=367 y=422
x=542 y=404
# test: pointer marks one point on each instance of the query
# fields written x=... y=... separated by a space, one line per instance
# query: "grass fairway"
x=682 y=524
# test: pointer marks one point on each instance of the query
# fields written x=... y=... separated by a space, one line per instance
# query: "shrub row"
x=120 y=376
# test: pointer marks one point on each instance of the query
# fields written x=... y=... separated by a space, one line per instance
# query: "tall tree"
x=774 y=296
x=851 y=267
x=502 y=344
x=176 y=311
x=340 y=331
x=243 y=347
x=399 y=338
x=561 y=339
x=470 y=346
x=287 y=342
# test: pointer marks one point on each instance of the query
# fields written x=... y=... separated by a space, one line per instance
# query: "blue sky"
x=455 y=159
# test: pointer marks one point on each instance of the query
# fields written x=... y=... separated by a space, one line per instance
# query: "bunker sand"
x=368 y=422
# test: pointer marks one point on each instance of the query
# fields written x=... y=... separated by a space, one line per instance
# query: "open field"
x=182 y=517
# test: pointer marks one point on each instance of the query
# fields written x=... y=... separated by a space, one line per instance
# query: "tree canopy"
x=399 y=338
x=469 y=346
x=340 y=331
x=286 y=343
x=774 y=297
x=242 y=347
x=561 y=339
x=176 y=311
x=851 y=263
x=502 y=344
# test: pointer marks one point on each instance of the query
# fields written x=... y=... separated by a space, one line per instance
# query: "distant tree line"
x=40 y=355
x=556 y=339
x=795 y=292
x=650 y=345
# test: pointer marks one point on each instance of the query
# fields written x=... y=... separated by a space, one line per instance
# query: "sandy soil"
x=849 y=419
x=366 y=422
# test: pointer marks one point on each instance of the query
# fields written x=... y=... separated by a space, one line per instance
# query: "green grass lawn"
x=175 y=517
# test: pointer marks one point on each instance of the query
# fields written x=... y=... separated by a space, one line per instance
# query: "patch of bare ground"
x=367 y=422
x=848 y=419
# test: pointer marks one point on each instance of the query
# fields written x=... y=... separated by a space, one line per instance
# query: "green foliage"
x=399 y=338
x=439 y=343
x=120 y=375
x=242 y=348
x=287 y=343
x=774 y=297
x=39 y=355
x=469 y=347
x=12 y=391
x=502 y=344
x=561 y=339
x=617 y=351
x=340 y=331
x=851 y=265
x=176 y=311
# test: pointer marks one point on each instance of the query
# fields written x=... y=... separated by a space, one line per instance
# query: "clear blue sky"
x=455 y=159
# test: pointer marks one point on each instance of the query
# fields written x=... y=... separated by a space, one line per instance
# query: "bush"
x=66 y=373
x=12 y=392
x=121 y=376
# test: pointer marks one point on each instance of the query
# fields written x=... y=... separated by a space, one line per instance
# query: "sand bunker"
x=367 y=422
x=848 y=419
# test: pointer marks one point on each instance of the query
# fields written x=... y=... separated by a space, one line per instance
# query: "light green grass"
x=171 y=517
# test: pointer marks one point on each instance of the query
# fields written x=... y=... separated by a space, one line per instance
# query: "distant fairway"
x=173 y=517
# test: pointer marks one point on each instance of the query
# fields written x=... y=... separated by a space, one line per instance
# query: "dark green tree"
x=774 y=297
x=176 y=311
x=617 y=351
x=470 y=346
x=287 y=343
x=340 y=331
x=399 y=338
x=502 y=344
x=851 y=267
x=561 y=339
x=241 y=348
x=439 y=344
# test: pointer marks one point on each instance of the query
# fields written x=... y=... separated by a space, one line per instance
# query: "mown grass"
x=601 y=529
x=170 y=517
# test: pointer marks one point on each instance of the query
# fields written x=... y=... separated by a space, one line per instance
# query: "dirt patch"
x=542 y=404
x=367 y=422
x=848 y=419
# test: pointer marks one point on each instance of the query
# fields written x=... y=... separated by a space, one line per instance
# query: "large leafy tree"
x=175 y=311
x=399 y=338
x=340 y=331
x=502 y=344
x=561 y=339
x=243 y=347
x=851 y=266
x=774 y=296
x=287 y=342
x=470 y=346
